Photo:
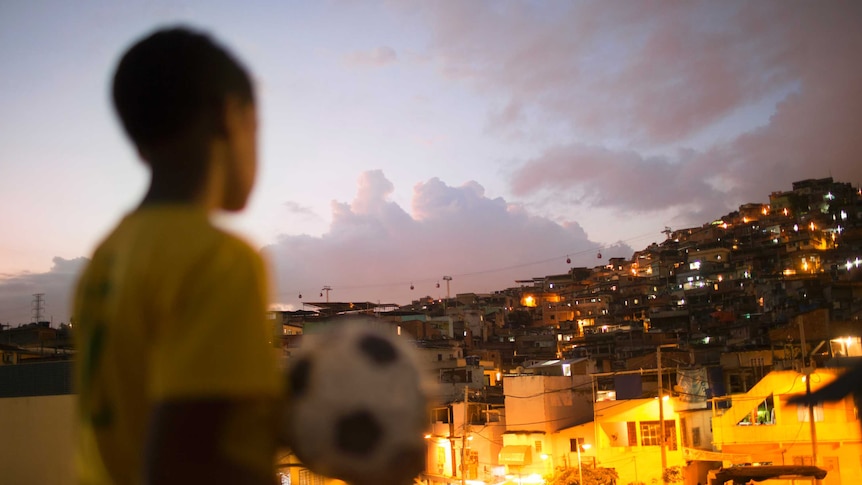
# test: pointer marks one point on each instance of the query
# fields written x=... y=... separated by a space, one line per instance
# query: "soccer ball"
x=356 y=406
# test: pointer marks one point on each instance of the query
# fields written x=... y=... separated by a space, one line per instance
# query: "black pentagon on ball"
x=299 y=377
x=358 y=433
x=378 y=349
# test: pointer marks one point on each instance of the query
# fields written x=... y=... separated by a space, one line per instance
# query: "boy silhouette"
x=176 y=378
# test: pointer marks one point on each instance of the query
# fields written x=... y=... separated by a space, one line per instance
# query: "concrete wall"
x=546 y=403
x=36 y=440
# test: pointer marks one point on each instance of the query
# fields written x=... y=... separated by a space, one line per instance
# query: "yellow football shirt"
x=169 y=308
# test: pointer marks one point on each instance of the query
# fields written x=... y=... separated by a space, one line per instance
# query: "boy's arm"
x=196 y=441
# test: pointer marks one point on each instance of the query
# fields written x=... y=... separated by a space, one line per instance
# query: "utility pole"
x=451 y=411
x=662 y=438
x=807 y=370
x=327 y=289
x=464 y=434
x=447 y=279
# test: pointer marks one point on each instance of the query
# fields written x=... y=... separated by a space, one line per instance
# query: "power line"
x=431 y=279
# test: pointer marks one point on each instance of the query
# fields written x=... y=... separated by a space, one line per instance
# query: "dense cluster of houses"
x=672 y=365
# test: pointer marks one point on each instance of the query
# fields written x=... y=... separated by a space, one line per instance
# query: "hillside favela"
x=674 y=365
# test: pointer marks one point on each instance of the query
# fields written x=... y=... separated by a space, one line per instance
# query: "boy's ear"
x=229 y=115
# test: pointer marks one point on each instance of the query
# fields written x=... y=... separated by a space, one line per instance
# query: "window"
x=763 y=414
x=695 y=436
x=573 y=444
x=802 y=460
x=538 y=445
x=802 y=413
x=472 y=462
x=308 y=478
x=650 y=433
x=651 y=430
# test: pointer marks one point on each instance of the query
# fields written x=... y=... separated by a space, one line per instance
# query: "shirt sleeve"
x=217 y=342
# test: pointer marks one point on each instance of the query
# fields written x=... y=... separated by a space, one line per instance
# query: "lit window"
x=651 y=430
x=802 y=413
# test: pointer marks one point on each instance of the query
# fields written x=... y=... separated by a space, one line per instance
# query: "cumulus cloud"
x=17 y=290
x=737 y=98
x=379 y=57
x=374 y=249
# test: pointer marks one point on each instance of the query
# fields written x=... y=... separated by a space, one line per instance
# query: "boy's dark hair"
x=171 y=80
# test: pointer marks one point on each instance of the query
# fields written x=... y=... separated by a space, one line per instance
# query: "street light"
x=585 y=446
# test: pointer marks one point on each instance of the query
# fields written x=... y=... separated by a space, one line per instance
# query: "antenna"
x=38 y=306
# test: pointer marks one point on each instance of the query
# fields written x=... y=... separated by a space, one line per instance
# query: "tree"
x=673 y=475
x=592 y=476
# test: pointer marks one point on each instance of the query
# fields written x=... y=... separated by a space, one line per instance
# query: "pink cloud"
x=374 y=249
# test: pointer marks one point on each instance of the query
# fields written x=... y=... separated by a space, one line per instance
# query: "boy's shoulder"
x=171 y=238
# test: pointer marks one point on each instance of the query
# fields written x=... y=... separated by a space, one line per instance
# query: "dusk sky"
x=404 y=141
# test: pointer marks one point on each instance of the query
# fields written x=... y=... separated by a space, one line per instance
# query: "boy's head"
x=177 y=92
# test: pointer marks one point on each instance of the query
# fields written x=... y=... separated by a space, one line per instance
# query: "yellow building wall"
x=636 y=463
x=37 y=439
x=788 y=441
x=541 y=452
